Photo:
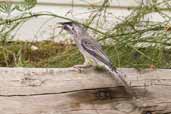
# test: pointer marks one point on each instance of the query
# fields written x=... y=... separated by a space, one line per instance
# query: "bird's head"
x=73 y=28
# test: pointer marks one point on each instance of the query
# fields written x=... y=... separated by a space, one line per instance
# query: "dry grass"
x=51 y=54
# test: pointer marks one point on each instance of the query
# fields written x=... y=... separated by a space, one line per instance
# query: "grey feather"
x=91 y=48
x=95 y=50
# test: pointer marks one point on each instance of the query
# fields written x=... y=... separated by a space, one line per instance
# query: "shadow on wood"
x=68 y=91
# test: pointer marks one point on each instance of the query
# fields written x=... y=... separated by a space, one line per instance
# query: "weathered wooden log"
x=68 y=91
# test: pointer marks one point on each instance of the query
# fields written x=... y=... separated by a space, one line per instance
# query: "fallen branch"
x=50 y=90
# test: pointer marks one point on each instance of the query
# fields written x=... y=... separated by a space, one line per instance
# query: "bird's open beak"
x=65 y=23
x=66 y=26
x=63 y=26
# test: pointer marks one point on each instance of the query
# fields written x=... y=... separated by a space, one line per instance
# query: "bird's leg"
x=86 y=64
x=83 y=66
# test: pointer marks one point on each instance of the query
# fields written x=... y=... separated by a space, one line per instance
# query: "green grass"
x=51 y=54
x=48 y=54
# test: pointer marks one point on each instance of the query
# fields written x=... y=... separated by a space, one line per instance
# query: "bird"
x=93 y=52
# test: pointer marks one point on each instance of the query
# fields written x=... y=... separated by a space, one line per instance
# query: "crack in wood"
x=44 y=91
x=64 y=92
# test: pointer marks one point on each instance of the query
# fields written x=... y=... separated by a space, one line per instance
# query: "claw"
x=82 y=67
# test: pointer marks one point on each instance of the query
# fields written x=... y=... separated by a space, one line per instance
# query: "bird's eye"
x=86 y=42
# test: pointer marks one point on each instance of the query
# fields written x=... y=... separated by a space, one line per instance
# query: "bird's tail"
x=118 y=76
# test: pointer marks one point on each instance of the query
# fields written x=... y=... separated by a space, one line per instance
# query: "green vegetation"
x=136 y=41
x=50 y=54
x=38 y=54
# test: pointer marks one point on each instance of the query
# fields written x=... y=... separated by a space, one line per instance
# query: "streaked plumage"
x=91 y=49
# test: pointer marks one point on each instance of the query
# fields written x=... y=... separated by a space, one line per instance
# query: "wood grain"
x=69 y=91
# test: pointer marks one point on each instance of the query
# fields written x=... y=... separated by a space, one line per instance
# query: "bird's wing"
x=96 y=51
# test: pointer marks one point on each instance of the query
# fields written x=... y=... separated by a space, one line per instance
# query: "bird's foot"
x=81 y=67
x=104 y=94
